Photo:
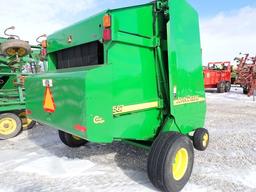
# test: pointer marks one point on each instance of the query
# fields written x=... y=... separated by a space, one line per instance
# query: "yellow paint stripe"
x=131 y=108
x=187 y=100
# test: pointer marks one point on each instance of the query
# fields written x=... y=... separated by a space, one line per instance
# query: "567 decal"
x=122 y=109
x=118 y=109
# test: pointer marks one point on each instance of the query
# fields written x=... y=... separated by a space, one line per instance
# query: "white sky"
x=223 y=36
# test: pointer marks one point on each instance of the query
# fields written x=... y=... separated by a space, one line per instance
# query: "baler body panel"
x=92 y=96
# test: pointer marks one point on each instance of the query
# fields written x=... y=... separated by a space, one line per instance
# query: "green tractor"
x=17 y=60
x=131 y=74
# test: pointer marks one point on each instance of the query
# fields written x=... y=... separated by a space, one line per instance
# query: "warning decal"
x=48 y=105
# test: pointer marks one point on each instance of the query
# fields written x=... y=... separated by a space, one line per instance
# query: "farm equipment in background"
x=233 y=73
x=246 y=74
x=218 y=75
x=17 y=60
x=131 y=74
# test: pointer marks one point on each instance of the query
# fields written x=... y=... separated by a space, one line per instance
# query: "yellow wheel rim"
x=205 y=139
x=21 y=52
x=7 y=126
x=76 y=138
x=10 y=52
x=25 y=121
x=180 y=164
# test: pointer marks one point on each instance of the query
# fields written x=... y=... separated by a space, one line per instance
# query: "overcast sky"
x=227 y=26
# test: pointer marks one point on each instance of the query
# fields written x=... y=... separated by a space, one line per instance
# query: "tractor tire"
x=15 y=46
x=170 y=161
x=201 y=139
x=71 y=140
x=10 y=125
x=221 y=87
x=227 y=86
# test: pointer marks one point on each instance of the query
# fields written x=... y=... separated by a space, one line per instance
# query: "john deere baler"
x=132 y=74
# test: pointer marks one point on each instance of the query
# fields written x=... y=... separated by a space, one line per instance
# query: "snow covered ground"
x=37 y=161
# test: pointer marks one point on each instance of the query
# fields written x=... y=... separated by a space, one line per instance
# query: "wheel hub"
x=205 y=139
x=180 y=164
x=7 y=126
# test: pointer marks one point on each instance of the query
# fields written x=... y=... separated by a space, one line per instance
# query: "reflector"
x=48 y=105
x=107 y=34
x=44 y=43
x=107 y=21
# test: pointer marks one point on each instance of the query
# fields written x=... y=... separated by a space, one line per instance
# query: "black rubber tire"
x=70 y=141
x=22 y=115
x=245 y=90
x=16 y=45
x=161 y=158
x=199 y=140
x=31 y=125
x=221 y=87
x=18 y=127
x=233 y=79
x=227 y=86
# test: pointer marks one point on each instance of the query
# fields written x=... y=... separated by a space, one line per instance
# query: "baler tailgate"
x=185 y=66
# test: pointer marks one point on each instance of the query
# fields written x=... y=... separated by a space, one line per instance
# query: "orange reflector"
x=28 y=112
x=44 y=43
x=107 y=21
x=80 y=128
x=49 y=105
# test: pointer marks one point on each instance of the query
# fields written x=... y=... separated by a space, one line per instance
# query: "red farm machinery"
x=246 y=74
x=218 y=75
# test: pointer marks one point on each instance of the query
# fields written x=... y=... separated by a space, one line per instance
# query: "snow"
x=36 y=160
x=56 y=167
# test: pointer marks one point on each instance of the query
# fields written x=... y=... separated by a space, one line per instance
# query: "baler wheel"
x=71 y=140
x=15 y=46
x=227 y=86
x=10 y=125
x=201 y=139
x=26 y=122
x=170 y=161
x=221 y=87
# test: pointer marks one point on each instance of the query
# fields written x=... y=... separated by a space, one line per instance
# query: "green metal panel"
x=135 y=30
x=82 y=32
x=69 y=100
x=187 y=94
x=134 y=82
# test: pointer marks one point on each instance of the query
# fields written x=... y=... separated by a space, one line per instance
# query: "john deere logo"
x=69 y=39
x=98 y=120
